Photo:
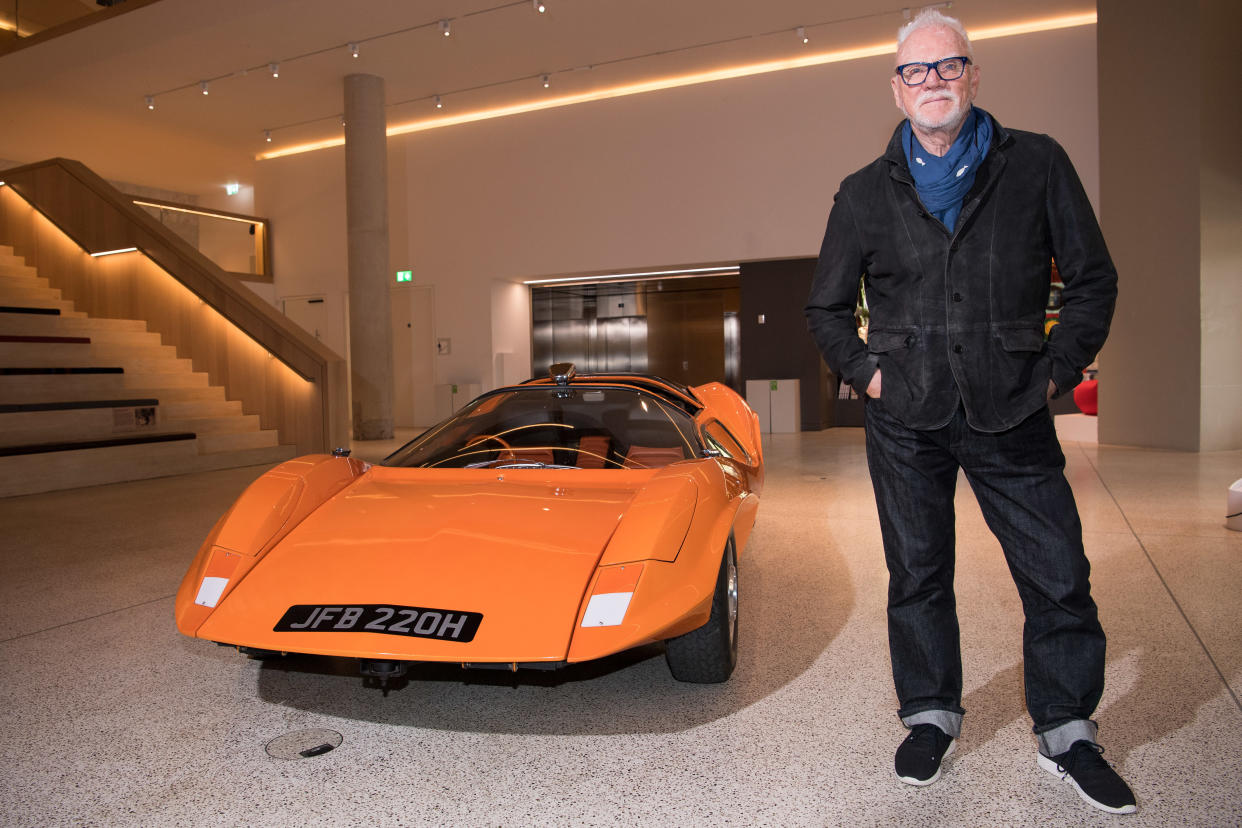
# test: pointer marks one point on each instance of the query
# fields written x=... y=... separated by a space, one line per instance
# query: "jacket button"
x=957 y=297
x=957 y=349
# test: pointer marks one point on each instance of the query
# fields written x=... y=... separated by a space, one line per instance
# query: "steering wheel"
x=506 y=453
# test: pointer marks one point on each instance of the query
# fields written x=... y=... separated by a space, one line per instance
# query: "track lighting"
x=446 y=28
x=150 y=102
x=203 y=86
x=546 y=81
x=267 y=135
x=802 y=35
x=540 y=6
x=439 y=103
x=274 y=68
x=353 y=49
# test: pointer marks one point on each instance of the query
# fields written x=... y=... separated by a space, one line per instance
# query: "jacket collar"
x=895 y=155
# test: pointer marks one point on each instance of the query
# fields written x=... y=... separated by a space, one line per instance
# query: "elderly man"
x=953 y=230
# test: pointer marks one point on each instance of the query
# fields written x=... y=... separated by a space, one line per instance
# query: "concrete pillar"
x=366 y=201
x=1171 y=207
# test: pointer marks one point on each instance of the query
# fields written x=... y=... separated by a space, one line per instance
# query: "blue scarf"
x=943 y=181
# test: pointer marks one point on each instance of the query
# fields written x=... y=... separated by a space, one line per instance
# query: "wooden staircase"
x=85 y=401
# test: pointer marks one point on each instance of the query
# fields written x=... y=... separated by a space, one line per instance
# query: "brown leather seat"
x=593 y=451
x=652 y=457
x=533 y=455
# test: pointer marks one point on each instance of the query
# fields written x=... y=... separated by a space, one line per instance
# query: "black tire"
x=709 y=654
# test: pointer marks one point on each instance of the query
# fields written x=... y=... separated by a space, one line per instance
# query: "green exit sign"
x=405 y=275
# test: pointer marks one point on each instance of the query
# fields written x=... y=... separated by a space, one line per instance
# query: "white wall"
x=304 y=198
x=724 y=172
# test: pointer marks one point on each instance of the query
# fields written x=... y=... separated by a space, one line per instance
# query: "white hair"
x=933 y=19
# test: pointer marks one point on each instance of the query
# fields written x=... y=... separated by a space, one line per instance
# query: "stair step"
x=135 y=358
x=190 y=409
x=165 y=387
x=235 y=441
x=50 y=340
x=83 y=445
x=34 y=473
x=53 y=325
x=166 y=379
x=22 y=428
x=72 y=370
x=39 y=311
x=19 y=270
x=32 y=279
x=75 y=405
x=188 y=395
x=21 y=294
x=33 y=305
x=207 y=424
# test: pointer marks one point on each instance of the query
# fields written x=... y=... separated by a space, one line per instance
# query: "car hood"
x=516 y=546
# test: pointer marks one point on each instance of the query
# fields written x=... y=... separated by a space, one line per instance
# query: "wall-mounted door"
x=309 y=312
x=413 y=356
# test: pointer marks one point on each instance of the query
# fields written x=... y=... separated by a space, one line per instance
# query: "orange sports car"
x=557 y=521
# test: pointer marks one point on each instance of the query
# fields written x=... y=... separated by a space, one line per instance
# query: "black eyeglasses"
x=950 y=68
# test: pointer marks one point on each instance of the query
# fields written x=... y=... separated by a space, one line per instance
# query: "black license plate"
x=418 y=622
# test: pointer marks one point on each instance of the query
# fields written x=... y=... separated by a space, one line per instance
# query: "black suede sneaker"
x=1095 y=780
x=919 y=756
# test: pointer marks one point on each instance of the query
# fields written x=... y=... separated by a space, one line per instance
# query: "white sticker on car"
x=210 y=590
x=607 y=609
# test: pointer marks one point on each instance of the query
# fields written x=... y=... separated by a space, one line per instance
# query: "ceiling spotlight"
x=353 y=49
x=150 y=102
x=546 y=81
x=446 y=28
x=802 y=35
x=203 y=86
x=439 y=103
x=274 y=68
x=540 y=6
x=267 y=135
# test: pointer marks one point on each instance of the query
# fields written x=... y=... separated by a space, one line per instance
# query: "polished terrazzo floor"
x=109 y=717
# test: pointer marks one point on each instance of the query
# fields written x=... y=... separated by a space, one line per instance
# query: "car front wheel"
x=709 y=654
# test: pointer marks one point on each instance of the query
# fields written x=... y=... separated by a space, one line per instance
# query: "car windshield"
x=581 y=426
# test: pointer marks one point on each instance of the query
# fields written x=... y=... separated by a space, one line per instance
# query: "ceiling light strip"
x=681 y=273
x=690 y=79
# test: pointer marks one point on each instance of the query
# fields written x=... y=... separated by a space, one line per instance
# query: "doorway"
x=309 y=312
x=413 y=356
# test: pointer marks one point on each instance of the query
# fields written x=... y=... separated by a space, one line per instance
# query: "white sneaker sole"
x=923 y=783
x=1050 y=765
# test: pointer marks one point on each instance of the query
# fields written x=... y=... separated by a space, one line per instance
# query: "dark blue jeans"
x=1018 y=478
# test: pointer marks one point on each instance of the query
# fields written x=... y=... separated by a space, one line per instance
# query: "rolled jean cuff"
x=1059 y=739
x=946 y=720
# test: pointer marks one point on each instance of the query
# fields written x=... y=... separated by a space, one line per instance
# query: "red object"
x=1086 y=397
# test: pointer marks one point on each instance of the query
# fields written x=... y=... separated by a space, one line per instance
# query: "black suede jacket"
x=959 y=316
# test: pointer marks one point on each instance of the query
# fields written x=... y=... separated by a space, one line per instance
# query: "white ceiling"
x=81 y=95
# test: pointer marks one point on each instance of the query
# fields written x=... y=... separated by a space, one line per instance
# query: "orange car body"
x=492 y=565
